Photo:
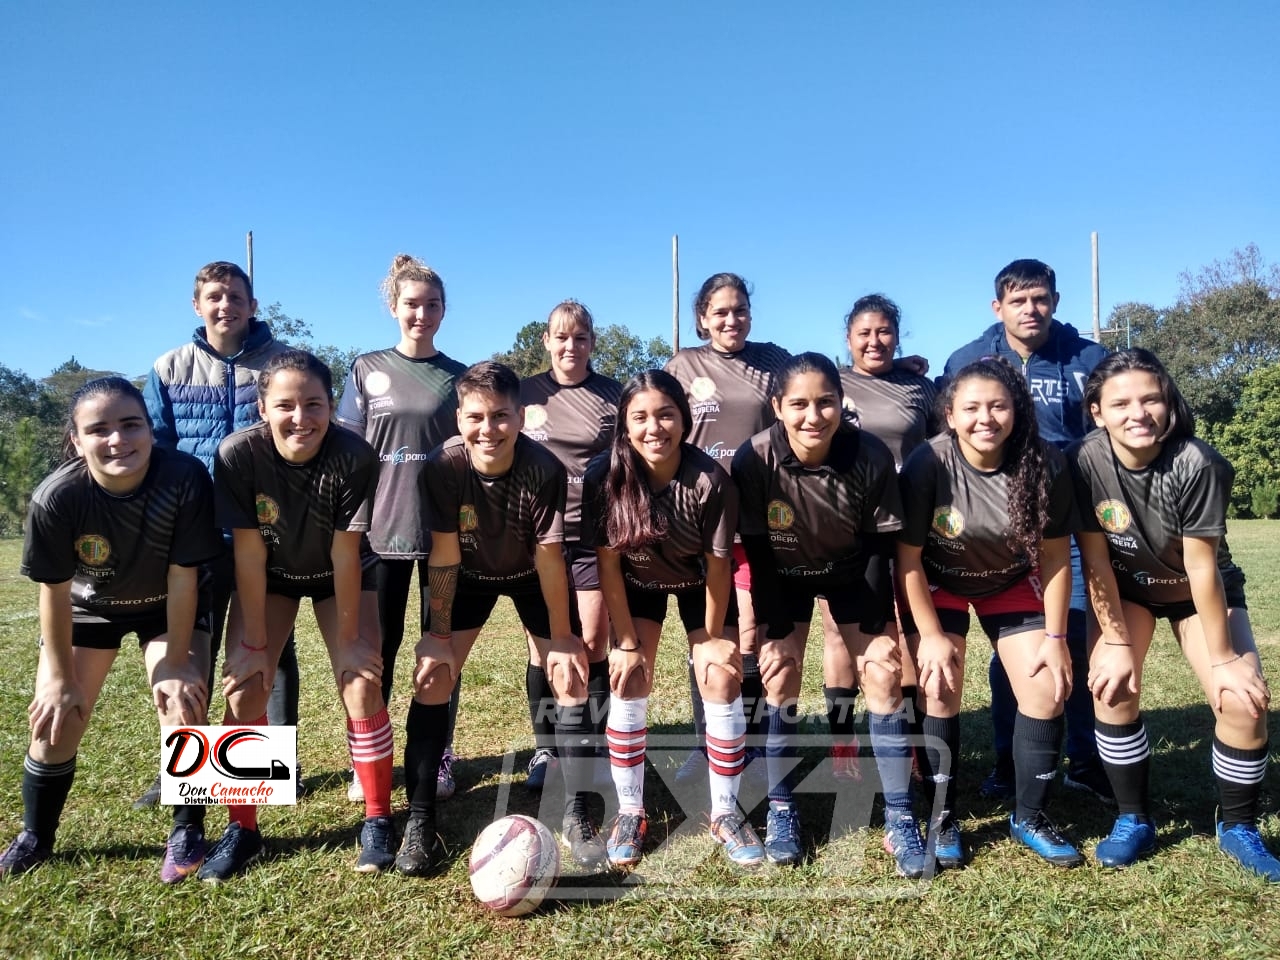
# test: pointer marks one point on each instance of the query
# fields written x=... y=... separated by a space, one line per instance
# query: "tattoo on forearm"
x=442 y=584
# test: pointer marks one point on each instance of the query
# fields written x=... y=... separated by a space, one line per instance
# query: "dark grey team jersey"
x=117 y=550
x=501 y=520
x=1145 y=514
x=960 y=516
x=728 y=393
x=296 y=507
x=898 y=407
x=575 y=422
x=700 y=507
x=404 y=408
x=815 y=516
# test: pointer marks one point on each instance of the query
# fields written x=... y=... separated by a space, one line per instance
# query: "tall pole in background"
x=1097 y=297
x=675 y=292
x=248 y=243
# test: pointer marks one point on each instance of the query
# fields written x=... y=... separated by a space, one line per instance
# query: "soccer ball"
x=514 y=862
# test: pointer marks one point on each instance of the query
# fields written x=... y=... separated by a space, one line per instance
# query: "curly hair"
x=1023 y=461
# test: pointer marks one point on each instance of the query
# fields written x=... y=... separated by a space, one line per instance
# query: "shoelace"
x=732 y=830
x=1124 y=830
x=784 y=822
x=415 y=834
x=1044 y=826
x=1251 y=839
x=628 y=829
x=446 y=766
x=905 y=838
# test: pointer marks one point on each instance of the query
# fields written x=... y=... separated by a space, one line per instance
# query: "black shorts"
x=99 y=635
x=1174 y=612
x=996 y=626
x=690 y=601
x=847 y=598
x=319 y=590
x=472 y=607
x=584 y=571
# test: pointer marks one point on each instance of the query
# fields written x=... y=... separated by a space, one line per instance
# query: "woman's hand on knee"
x=436 y=664
x=717 y=664
x=53 y=703
x=1053 y=657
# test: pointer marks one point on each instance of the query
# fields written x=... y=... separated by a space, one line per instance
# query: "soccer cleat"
x=421 y=851
x=998 y=785
x=183 y=853
x=844 y=760
x=540 y=764
x=1090 y=778
x=446 y=786
x=1242 y=843
x=1041 y=837
x=948 y=844
x=23 y=854
x=741 y=845
x=693 y=768
x=235 y=850
x=149 y=797
x=782 y=833
x=377 y=841
x=903 y=842
x=626 y=839
x=1131 y=837
x=299 y=784
x=582 y=840
x=355 y=789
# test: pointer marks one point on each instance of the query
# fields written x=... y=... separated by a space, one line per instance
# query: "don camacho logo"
x=268 y=509
x=93 y=550
x=204 y=766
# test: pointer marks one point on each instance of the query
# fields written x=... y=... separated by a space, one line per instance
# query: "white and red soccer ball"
x=514 y=862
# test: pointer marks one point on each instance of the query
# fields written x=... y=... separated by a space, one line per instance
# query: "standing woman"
x=114 y=538
x=989 y=516
x=296 y=496
x=899 y=407
x=729 y=382
x=402 y=401
x=571 y=410
x=661 y=515
x=1154 y=505
x=820 y=503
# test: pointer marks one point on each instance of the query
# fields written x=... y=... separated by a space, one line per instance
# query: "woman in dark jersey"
x=402 y=401
x=296 y=495
x=899 y=407
x=114 y=537
x=661 y=515
x=989 y=515
x=820 y=503
x=1153 y=501
x=571 y=410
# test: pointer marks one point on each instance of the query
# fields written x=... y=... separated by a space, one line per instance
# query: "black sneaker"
x=584 y=843
x=234 y=851
x=1090 y=778
x=377 y=841
x=150 y=797
x=25 y=853
x=421 y=851
x=540 y=764
x=999 y=785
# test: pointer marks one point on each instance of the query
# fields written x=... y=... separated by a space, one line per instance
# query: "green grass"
x=101 y=897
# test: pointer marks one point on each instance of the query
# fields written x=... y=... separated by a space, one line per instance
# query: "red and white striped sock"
x=628 y=736
x=726 y=753
x=370 y=743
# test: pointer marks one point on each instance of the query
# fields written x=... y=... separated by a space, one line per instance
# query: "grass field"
x=100 y=896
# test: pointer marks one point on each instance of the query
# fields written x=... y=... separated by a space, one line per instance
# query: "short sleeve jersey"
x=499 y=520
x=404 y=408
x=815 y=517
x=728 y=393
x=898 y=407
x=960 y=516
x=699 y=508
x=296 y=507
x=116 y=551
x=575 y=422
x=1145 y=514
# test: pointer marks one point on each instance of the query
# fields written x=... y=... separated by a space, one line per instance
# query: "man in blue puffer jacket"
x=1056 y=361
x=196 y=395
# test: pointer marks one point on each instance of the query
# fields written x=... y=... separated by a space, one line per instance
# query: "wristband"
x=1238 y=656
x=446 y=637
x=1112 y=643
x=254 y=649
x=1055 y=636
x=635 y=649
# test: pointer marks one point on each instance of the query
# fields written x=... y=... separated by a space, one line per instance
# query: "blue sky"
x=535 y=151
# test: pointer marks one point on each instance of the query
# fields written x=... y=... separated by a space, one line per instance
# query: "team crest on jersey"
x=535 y=415
x=467 y=518
x=948 y=522
x=268 y=510
x=1113 y=516
x=93 y=550
x=702 y=389
x=377 y=383
x=780 y=515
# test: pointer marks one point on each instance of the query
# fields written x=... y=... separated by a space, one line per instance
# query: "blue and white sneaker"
x=1132 y=837
x=1042 y=838
x=234 y=851
x=948 y=845
x=782 y=834
x=1243 y=843
x=903 y=842
x=741 y=844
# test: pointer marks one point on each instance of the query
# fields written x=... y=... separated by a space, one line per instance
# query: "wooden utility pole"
x=248 y=243
x=1097 y=297
x=675 y=292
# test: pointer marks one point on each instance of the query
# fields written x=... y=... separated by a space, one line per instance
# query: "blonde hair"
x=406 y=268
x=569 y=314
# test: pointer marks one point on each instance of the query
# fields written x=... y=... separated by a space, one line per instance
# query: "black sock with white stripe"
x=44 y=793
x=1126 y=757
x=1239 y=773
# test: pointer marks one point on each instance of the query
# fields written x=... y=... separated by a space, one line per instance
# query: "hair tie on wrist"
x=1056 y=636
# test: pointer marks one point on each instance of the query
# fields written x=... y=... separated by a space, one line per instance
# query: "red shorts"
x=1025 y=596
